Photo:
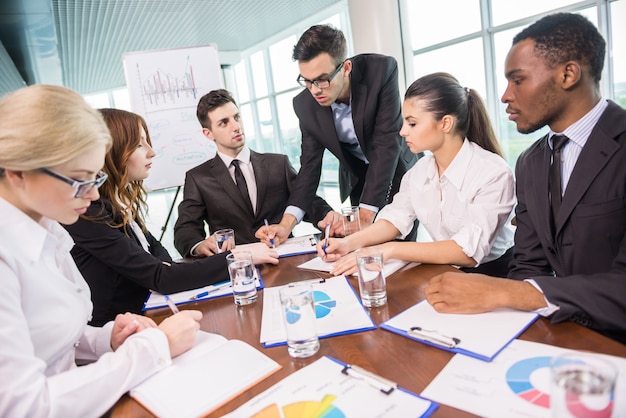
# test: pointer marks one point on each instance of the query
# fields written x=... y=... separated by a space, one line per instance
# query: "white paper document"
x=515 y=385
x=210 y=374
x=297 y=245
x=479 y=335
x=157 y=300
x=389 y=267
x=322 y=390
x=338 y=310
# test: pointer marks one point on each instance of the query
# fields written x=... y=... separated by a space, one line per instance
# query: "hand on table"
x=180 y=330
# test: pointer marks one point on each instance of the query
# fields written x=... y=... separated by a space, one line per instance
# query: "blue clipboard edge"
x=185 y=302
x=433 y=405
x=312 y=250
x=404 y=333
x=334 y=334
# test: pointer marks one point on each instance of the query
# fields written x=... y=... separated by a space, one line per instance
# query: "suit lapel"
x=220 y=173
x=261 y=176
x=539 y=169
x=598 y=150
x=359 y=99
x=326 y=123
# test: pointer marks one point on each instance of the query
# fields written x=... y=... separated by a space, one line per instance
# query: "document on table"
x=338 y=311
x=323 y=389
x=481 y=335
x=157 y=300
x=297 y=245
x=515 y=385
x=197 y=382
x=389 y=267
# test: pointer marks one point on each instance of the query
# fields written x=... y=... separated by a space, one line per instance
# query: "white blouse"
x=471 y=203
x=44 y=308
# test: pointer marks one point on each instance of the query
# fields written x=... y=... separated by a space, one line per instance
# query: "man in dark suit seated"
x=237 y=189
x=570 y=244
x=351 y=106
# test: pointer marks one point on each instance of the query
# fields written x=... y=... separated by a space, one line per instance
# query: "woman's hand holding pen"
x=335 y=248
x=180 y=330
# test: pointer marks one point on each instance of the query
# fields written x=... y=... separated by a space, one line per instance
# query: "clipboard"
x=337 y=306
x=297 y=246
x=482 y=336
x=323 y=388
x=156 y=300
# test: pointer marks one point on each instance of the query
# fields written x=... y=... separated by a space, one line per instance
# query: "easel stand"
x=169 y=215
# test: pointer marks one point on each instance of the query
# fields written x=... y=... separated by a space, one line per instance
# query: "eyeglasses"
x=321 y=83
x=81 y=188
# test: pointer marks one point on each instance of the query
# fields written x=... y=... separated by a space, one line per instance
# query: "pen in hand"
x=171 y=304
x=267 y=230
x=326 y=234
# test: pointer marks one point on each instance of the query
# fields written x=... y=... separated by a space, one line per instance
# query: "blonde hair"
x=44 y=126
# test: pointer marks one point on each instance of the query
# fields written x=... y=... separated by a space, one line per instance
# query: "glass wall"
x=470 y=39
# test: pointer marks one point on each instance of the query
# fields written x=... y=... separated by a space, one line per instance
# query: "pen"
x=386 y=386
x=434 y=337
x=326 y=234
x=171 y=304
x=267 y=229
x=213 y=288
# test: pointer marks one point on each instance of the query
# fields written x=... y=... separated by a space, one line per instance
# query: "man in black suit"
x=215 y=193
x=352 y=108
x=570 y=265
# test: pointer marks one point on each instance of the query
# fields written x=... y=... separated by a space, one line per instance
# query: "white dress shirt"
x=471 y=203
x=246 y=169
x=44 y=309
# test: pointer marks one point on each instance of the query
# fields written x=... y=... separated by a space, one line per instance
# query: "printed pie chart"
x=313 y=409
x=323 y=303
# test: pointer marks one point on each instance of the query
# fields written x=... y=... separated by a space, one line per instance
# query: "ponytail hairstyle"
x=441 y=94
x=128 y=198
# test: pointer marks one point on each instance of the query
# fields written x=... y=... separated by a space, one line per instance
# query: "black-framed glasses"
x=81 y=188
x=320 y=83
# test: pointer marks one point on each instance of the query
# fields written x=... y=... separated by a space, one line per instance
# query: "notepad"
x=338 y=311
x=157 y=300
x=322 y=389
x=481 y=335
x=199 y=381
x=389 y=267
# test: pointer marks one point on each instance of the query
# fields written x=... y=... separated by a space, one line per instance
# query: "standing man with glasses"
x=352 y=108
x=570 y=244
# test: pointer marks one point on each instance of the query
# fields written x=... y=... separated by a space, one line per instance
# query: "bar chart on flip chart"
x=165 y=87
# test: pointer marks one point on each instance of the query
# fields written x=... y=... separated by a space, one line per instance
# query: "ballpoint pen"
x=171 y=304
x=267 y=230
x=214 y=288
x=326 y=234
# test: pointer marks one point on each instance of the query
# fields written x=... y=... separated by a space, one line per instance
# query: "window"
x=466 y=45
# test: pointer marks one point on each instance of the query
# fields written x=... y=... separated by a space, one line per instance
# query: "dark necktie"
x=558 y=141
x=240 y=180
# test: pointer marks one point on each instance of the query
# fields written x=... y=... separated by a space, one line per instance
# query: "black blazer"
x=211 y=196
x=377 y=122
x=583 y=270
x=121 y=273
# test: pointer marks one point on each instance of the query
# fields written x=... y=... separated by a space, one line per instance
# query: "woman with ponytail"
x=462 y=192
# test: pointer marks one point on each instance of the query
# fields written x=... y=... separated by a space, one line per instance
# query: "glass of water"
x=298 y=307
x=241 y=271
x=372 y=283
x=224 y=240
x=351 y=220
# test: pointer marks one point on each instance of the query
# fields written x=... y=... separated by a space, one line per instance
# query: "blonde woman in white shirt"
x=52 y=147
x=462 y=192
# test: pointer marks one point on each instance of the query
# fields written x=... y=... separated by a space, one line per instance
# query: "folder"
x=481 y=335
x=325 y=388
x=204 y=378
x=156 y=300
x=338 y=311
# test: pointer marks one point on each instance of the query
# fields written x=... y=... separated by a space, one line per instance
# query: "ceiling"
x=79 y=43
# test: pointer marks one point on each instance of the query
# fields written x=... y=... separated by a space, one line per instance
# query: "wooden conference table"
x=409 y=363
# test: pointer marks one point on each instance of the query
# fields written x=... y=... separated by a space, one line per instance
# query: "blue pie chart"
x=323 y=303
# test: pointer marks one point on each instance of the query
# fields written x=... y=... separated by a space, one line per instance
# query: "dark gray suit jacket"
x=583 y=270
x=211 y=196
x=377 y=123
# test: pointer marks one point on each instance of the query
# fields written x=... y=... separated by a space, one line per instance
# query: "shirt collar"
x=457 y=170
x=15 y=225
x=243 y=156
x=579 y=131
